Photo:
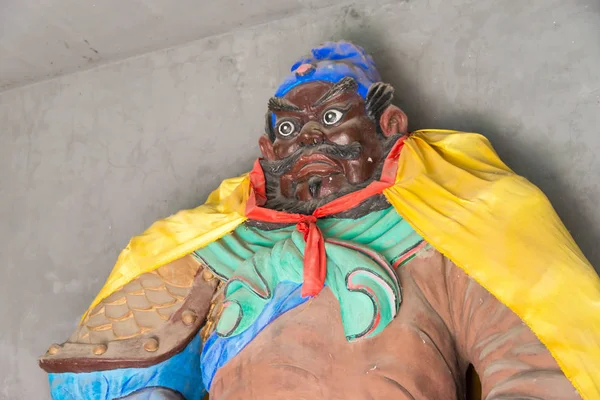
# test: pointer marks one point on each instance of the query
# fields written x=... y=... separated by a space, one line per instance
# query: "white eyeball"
x=332 y=116
x=286 y=128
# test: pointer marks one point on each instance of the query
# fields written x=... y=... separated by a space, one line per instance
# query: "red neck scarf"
x=315 y=262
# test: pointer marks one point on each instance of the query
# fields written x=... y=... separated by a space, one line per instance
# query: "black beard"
x=275 y=201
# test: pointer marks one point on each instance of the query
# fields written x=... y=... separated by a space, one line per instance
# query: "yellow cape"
x=456 y=192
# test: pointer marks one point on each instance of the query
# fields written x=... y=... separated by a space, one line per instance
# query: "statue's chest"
x=304 y=354
x=263 y=271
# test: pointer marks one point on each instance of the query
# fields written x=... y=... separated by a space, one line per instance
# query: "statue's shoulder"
x=142 y=323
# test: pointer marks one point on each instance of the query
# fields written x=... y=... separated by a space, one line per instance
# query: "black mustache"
x=280 y=167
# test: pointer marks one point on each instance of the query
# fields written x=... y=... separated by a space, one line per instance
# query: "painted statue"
x=355 y=260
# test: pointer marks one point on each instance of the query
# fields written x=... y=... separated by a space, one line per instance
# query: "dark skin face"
x=315 y=115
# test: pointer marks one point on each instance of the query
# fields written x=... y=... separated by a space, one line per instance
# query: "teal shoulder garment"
x=361 y=254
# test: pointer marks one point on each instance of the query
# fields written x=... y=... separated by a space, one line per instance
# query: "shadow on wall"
x=503 y=132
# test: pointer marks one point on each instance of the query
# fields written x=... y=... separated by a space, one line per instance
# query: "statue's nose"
x=311 y=134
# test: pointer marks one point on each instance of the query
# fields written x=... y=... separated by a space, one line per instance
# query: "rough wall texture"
x=62 y=36
x=88 y=160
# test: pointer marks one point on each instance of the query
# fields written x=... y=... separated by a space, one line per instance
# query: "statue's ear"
x=379 y=107
x=266 y=141
x=266 y=147
x=393 y=121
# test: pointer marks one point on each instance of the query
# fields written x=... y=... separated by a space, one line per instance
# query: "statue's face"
x=315 y=113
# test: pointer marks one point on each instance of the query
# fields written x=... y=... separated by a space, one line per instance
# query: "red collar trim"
x=315 y=259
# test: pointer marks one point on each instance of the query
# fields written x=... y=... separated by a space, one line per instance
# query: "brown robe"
x=446 y=322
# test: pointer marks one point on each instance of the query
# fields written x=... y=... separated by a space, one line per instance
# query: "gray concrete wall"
x=56 y=37
x=88 y=160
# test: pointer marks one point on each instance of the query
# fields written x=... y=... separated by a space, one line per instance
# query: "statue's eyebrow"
x=281 y=104
x=347 y=84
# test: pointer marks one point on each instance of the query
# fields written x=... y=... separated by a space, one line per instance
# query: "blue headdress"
x=331 y=62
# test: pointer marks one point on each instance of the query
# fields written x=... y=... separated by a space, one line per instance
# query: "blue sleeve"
x=180 y=373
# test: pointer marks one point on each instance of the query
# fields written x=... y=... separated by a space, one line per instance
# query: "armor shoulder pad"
x=143 y=323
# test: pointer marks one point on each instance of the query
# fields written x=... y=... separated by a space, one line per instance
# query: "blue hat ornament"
x=331 y=62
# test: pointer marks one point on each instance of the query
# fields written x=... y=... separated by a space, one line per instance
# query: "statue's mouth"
x=315 y=164
x=329 y=152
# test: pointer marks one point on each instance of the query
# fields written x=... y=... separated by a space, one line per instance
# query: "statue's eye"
x=286 y=128
x=332 y=116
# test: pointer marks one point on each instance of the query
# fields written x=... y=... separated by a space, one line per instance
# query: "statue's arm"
x=509 y=359
x=146 y=334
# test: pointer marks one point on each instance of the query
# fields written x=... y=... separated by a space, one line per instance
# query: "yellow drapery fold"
x=180 y=234
x=503 y=232
x=456 y=192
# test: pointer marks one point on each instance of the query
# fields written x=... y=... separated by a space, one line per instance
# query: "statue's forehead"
x=307 y=94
